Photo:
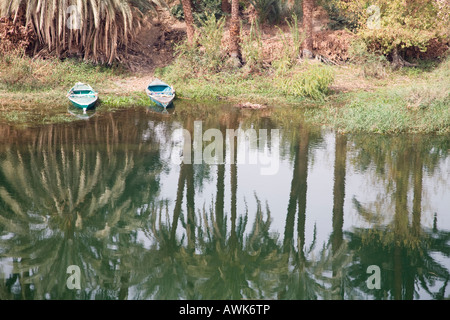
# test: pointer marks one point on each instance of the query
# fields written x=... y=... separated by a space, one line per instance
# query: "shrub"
x=252 y=47
x=372 y=64
x=210 y=40
x=313 y=82
x=338 y=18
x=206 y=57
x=267 y=10
x=394 y=26
x=201 y=10
x=291 y=47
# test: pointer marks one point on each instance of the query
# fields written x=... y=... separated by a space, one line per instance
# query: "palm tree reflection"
x=65 y=198
x=88 y=195
x=402 y=247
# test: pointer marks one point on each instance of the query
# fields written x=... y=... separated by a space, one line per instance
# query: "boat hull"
x=83 y=104
x=160 y=93
x=82 y=96
x=161 y=101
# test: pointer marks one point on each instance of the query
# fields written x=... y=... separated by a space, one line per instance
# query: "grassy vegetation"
x=33 y=91
x=421 y=105
x=404 y=100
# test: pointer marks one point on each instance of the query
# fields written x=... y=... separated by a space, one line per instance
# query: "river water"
x=137 y=204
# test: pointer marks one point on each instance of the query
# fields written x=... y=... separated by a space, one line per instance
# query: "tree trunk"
x=226 y=8
x=235 y=49
x=398 y=61
x=308 y=8
x=340 y=159
x=189 y=20
x=337 y=237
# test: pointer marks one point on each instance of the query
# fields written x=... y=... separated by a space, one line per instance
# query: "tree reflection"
x=66 y=197
x=223 y=258
x=402 y=247
x=88 y=195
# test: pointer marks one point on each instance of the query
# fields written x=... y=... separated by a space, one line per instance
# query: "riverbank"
x=412 y=100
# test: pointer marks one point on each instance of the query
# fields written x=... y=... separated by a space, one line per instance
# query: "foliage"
x=338 y=18
x=210 y=40
x=92 y=28
x=252 y=47
x=267 y=10
x=371 y=64
x=313 y=82
x=206 y=57
x=291 y=47
x=201 y=10
x=401 y=24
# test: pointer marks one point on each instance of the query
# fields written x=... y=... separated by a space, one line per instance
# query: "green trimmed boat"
x=82 y=96
x=160 y=93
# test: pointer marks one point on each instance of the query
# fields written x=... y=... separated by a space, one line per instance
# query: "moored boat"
x=82 y=96
x=160 y=93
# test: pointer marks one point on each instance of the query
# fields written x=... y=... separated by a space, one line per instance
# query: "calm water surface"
x=337 y=217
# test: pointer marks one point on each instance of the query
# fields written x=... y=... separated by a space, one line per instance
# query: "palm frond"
x=102 y=26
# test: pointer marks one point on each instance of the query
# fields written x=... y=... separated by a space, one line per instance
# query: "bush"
x=252 y=47
x=291 y=47
x=210 y=40
x=206 y=57
x=394 y=27
x=267 y=10
x=338 y=18
x=372 y=64
x=200 y=10
x=313 y=82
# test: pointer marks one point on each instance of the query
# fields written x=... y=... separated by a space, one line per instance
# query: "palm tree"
x=308 y=9
x=189 y=20
x=234 y=45
x=94 y=29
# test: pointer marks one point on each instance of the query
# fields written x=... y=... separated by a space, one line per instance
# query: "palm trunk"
x=234 y=49
x=400 y=219
x=303 y=188
x=190 y=203
x=339 y=191
x=337 y=238
x=189 y=19
x=226 y=6
x=308 y=8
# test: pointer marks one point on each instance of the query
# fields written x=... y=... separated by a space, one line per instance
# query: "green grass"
x=36 y=94
x=239 y=86
x=33 y=91
x=113 y=101
x=421 y=106
x=23 y=74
